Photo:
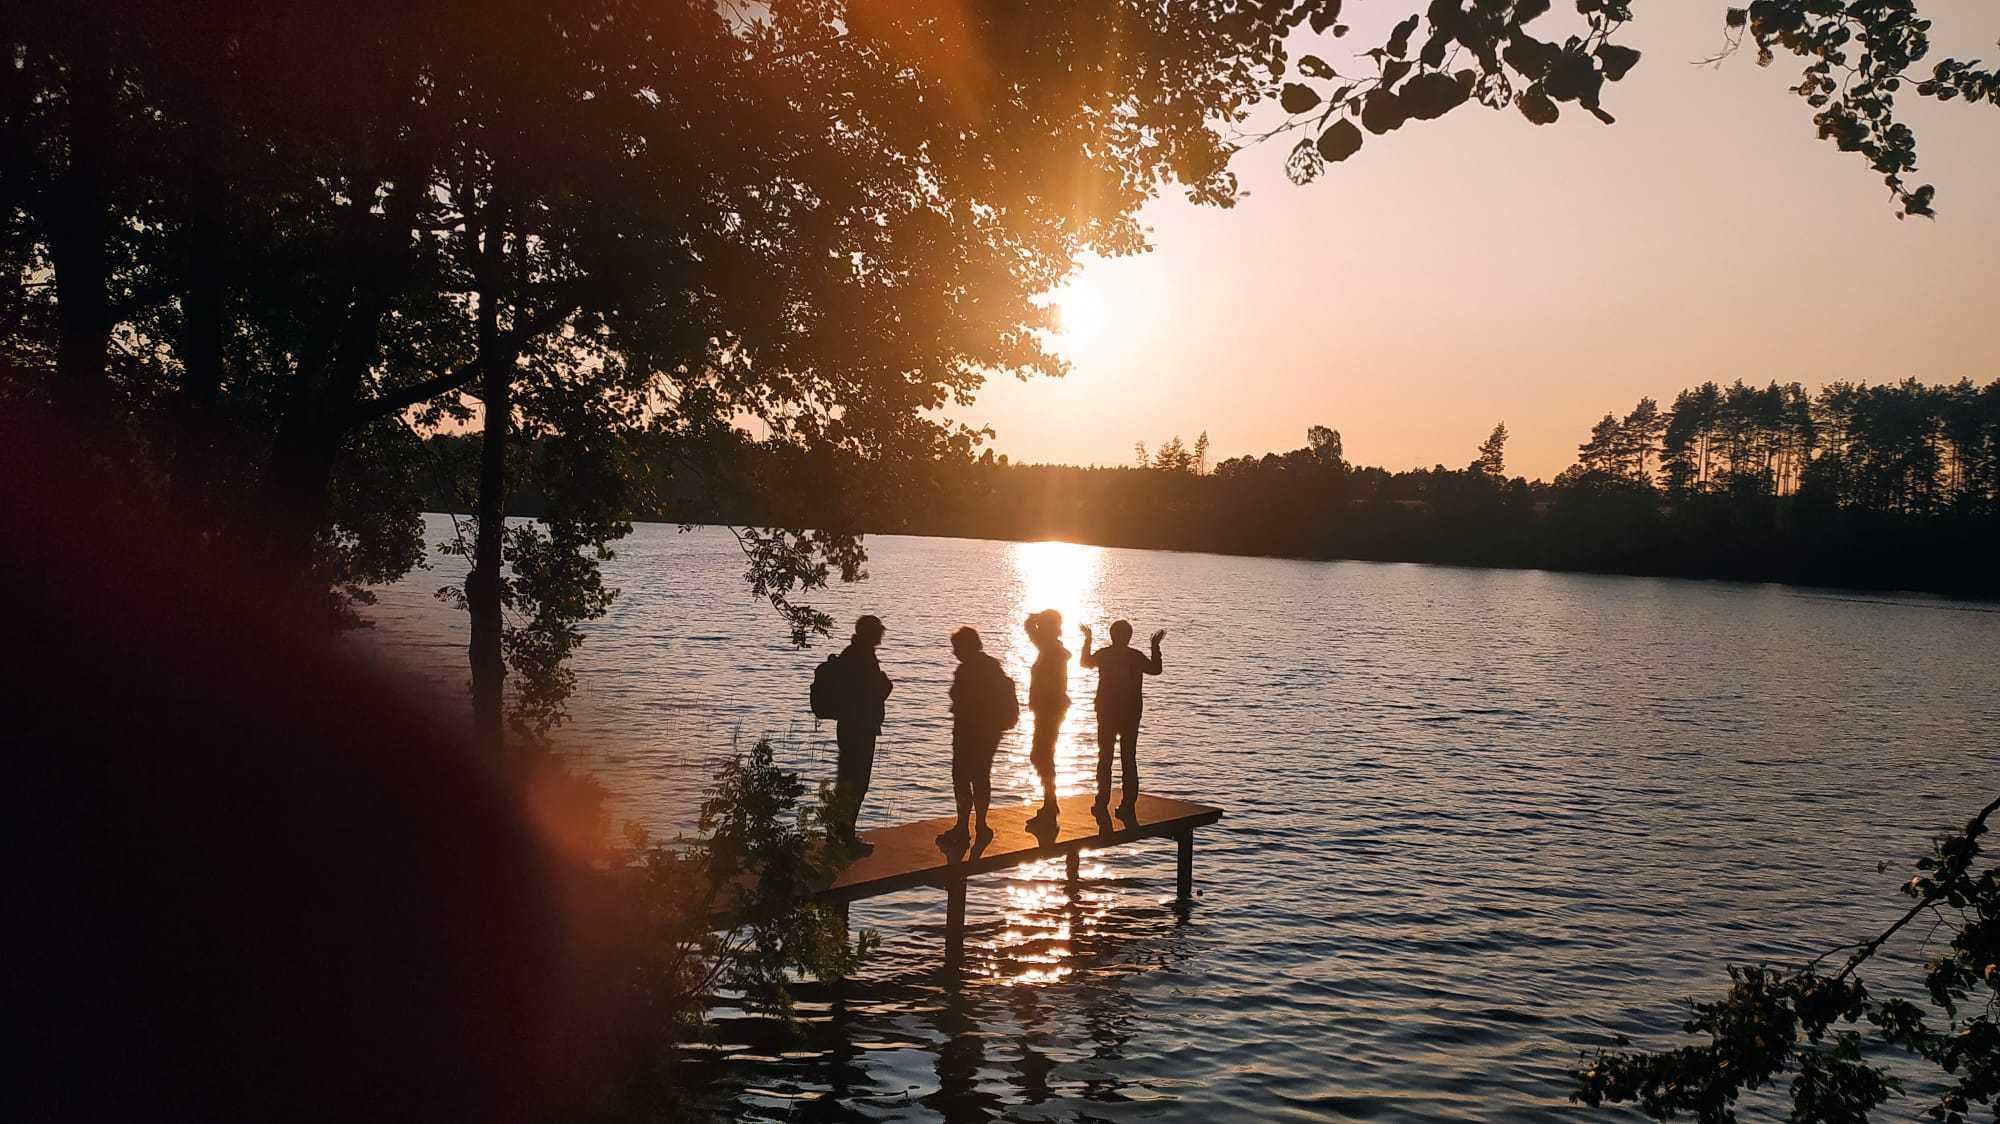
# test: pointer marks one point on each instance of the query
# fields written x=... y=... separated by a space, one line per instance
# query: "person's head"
x=1045 y=627
x=868 y=630
x=965 y=642
x=1121 y=632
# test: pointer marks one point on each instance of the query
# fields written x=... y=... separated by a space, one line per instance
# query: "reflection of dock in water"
x=908 y=856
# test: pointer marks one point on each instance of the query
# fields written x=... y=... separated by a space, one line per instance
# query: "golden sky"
x=1477 y=269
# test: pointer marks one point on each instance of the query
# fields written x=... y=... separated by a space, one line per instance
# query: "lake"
x=1476 y=821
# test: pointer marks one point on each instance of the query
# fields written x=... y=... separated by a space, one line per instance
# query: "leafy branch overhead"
x=1858 y=56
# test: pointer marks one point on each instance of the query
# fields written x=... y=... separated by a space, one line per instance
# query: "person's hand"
x=1159 y=636
x=1086 y=633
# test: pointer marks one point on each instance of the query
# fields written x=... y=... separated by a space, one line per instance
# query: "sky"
x=1478 y=269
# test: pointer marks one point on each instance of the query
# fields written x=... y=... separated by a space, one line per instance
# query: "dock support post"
x=954 y=925
x=1069 y=872
x=1185 y=879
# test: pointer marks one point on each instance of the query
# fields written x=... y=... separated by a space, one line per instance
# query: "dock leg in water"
x=1185 y=880
x=954 y=926
x=1069 y=873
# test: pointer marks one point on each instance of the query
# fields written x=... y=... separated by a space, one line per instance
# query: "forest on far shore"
x=1877 y=486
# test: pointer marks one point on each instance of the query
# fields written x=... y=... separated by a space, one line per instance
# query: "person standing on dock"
x=1048 y=699
x=861 y=693
x=1121 y=671
x=984 y=705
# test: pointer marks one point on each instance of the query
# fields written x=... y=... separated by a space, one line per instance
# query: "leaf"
x=1535 y=105
x=1430 y=96
x=1529 y=55
x=1384 y=111
x=1340 y=141
x=1305 y=164
x=1529 y=10
x=1298 y=97
x=1312 y=66
x=1737 y=17
x=1324 y=16
x=1394 y=70
x=1433 y=52
x=1399 y=39
x=1616 y=60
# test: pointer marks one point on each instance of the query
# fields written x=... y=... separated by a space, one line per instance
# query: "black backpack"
x=829 y=689
x=1006 y=699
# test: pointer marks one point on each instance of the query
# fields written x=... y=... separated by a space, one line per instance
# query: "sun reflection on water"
x=1068 y=578
x=1044 y=920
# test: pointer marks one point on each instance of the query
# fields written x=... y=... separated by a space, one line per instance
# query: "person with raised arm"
x=1121 y=672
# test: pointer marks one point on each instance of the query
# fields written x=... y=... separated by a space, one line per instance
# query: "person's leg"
x=1128 y=737
x=1107 y=735
x=1043 y=755
x=863 y=773
x=961 y=777
x=846 y=801
x=980 y=780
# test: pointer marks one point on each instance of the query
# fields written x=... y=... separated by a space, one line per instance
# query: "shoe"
x=1129 y=812
x=1044 y=818
x=860 y=847
x=985 y=834
x=952 y=837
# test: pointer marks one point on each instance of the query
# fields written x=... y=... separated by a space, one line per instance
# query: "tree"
x=598 y=207
x=1173 y=456
x=1605 y=451
x=1201 y=454
x=1324 y=444
x=1492 y=459
x=1639 y=434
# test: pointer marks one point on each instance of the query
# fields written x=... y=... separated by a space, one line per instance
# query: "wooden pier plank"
x=908 y=856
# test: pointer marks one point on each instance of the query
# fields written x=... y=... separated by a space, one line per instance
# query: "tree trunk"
x=482 y=584
x=74 y=217
x=198 y=439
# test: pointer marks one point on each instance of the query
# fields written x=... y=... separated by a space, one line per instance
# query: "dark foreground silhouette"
x=1121 y=703
x=857 y=693
x=984 y=706
x=247 y=878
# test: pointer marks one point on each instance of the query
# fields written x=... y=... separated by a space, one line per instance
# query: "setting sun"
x=1080 y=316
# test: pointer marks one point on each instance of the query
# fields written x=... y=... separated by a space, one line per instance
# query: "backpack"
x=829 y=692
x=1006 y=701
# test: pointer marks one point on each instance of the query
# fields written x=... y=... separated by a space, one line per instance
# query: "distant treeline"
x=1883 y=486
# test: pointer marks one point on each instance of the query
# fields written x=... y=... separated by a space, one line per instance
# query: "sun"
x=1080 y=316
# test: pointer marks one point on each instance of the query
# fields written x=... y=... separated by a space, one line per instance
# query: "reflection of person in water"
x=1121 y=669
x=1048 y=699
x=984 y=705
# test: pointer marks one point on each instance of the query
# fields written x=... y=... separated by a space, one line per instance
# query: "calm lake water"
x=1477 y=821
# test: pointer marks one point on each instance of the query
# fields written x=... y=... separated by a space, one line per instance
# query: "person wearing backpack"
x=852 y=689
x=984 y=705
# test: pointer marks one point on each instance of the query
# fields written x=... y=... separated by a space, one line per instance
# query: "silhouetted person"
x=1048 y=699
x=864 y=694
x=984 y=705
x=1121 y=699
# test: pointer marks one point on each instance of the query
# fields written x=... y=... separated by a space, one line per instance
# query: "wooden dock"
x=908 y=855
